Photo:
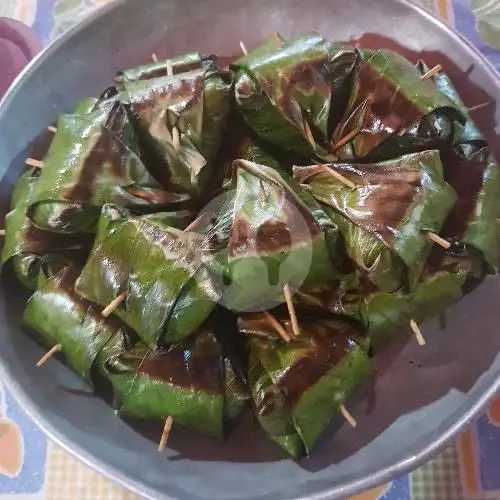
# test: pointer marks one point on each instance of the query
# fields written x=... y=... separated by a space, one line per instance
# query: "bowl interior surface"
x=419 y=397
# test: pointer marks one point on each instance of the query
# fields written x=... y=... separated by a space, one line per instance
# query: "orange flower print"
x=11 y=443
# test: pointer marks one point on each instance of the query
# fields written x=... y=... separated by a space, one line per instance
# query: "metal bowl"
x=419 y=399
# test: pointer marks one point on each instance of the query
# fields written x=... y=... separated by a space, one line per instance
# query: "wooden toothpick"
x=165 y=435
x=479 y=106
x=434 y=71
x=418 y=334
x=52 y=129
x=154 y=57
x=2 y=232
x=348 y=138
x=347 y=415
x=277 y=326
x=435 y=238
x=49 y=355
x=243 y=48
x=145 y=195
x=196 y=223
x=113 y=305
x=337 y=176
x=31 y=162
x=291 y=309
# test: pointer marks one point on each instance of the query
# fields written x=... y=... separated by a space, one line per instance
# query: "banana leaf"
x=191 y=382
x=474 y=218
x=92 y=161
x=61 y=316
x=297 y=388
x=197 y=103
x=274 y=239
x=395 y=110
x=385 y=218
x=386 y=315
x=156 y=69
x=162 y=270
x=468 y=137
x=284 y=88
x=26 y=248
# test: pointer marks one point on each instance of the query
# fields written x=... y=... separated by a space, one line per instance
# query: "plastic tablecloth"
x=31 y=467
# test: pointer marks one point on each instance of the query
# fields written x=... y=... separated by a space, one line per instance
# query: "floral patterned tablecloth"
x=33 y=468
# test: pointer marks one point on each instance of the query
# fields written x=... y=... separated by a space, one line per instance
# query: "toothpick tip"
x=31 y=162
x=49 y=355
x=113 y=305
x=166 y=434
x=434 y=71
x=243 y=47
x=418 y=334
x=348 y=416
x=435 y=238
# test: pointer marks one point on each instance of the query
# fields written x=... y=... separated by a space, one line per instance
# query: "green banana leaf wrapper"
x=157 y=69
x=26 y=248
x=474 y=218
x=386 y=315
x=395 y=111
x=192 y=383
x=297 y=388
x=274 y=239
x=468 y=137
x=474 y=174
x=92 y=161
x=197 y=104
x=385 y=218
x=160 y=268
x=286 y=88
x=61 y=316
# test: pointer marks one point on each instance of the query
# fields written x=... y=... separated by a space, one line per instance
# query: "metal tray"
x=410 y=410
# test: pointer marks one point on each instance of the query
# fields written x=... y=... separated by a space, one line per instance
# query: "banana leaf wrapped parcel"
x=93 y=161
x=191 y=382
x=61 y=317
x=474 y=174
x=386 y=218
x=157 y=69
x=387 y=315
x=273 y=239
x=297 y=388
x=196 y=104
x=160 y=268
x=27 y=248
x=392 y=111
x=290 y=92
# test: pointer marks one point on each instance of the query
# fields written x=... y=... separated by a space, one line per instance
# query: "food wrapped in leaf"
x=196 y=104
x=274 y=239
x=291 y=93
x=156 y=69
x=474 y=218
x=383 y=314
x=468 y=137
x=385 y=220
x=392 y=111
x=26 y=248
x=161 y=270
x=474 y=174
x=191 y=383
x=92 y=161
x=62 y=317
x=297 y=388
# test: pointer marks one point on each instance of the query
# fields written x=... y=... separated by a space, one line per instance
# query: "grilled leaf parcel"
x=209 y=239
